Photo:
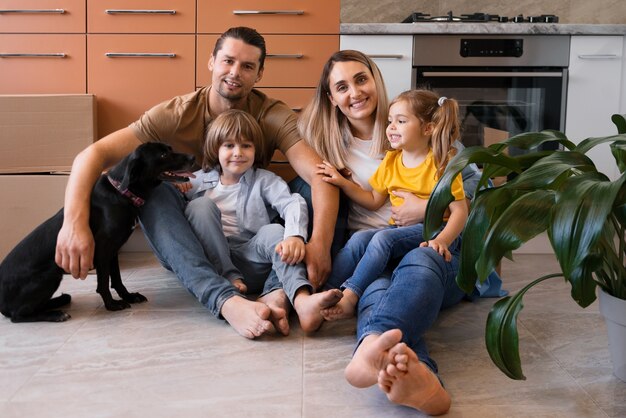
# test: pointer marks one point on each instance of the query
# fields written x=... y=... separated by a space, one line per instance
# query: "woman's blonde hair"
x=233 y=125
x=443 y=113
x=326 y=128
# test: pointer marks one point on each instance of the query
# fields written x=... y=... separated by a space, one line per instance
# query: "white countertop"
x=441 y=28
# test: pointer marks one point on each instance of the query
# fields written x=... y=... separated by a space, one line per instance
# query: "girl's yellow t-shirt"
x=392 y=175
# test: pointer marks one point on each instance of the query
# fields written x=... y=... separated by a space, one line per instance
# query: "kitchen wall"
x=569 y=11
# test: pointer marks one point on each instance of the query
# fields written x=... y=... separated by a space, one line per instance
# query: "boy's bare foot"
x=240 y=285
x=344 y=309
x=279 y=305
x=370 y=357
x=409 y=382
x=308 y=306
x=249 y=318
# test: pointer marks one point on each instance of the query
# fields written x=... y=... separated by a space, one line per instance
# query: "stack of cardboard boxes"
x=39 y=137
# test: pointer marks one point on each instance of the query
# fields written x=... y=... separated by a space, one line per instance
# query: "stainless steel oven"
x=505 y=84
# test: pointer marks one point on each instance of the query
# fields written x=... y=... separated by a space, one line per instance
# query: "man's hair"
x=247 y=35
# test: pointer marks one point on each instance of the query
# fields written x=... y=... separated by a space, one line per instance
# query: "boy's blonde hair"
x=443 y=113
x=233 y=125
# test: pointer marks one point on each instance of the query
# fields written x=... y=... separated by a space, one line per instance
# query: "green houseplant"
x=560 y=192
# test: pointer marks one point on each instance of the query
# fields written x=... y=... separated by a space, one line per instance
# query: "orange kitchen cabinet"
x=130 y=73
x=42 y=16
x=296 y=98
x=42 y=64
x=270 y=16
x=141 y=16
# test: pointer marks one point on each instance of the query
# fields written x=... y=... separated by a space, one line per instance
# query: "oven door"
x=496 y=103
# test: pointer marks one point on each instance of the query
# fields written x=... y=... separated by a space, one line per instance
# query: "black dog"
x=29 y=275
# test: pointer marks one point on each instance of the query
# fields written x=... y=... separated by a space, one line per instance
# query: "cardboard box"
x=27 y=201
x=43 y=133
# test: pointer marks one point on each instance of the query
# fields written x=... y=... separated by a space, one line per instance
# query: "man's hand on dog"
x=75 y=249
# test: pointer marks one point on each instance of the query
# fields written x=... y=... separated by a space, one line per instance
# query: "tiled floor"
x=170 y=358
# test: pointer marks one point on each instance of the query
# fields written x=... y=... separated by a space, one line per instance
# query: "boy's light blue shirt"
x=262 y=196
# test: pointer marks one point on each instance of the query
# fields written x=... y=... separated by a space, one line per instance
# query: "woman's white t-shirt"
x=363 y=165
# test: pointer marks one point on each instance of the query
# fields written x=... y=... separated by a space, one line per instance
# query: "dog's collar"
x=137 y=201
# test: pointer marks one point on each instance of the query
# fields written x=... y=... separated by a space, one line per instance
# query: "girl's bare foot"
x=409 y=382
x=249 y=318
x=309 y=306
x=279 y=306
x=371 y=356
x=240 y=285
x=344 y=309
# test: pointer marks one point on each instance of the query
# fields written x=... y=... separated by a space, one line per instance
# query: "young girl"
x=422 y=128
x=232 y=205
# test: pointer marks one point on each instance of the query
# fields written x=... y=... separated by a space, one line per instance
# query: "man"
x=237 y=64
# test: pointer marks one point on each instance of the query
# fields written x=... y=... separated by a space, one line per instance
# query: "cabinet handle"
x=296 y=56
x=132 y=11
x=598 y=56
x=59 y=11
x=386 y=56
x=140 y=54
x=268 y=12
x=28 y=55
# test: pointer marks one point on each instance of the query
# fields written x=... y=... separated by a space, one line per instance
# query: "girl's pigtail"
x=446 y=130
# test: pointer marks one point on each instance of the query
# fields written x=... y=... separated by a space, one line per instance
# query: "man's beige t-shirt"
x=182 y=122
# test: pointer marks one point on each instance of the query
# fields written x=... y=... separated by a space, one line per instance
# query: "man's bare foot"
x=279 y=306
x=371 y=356
x=250 y=319
x=309 y=306
x=240 y=285
x=344 y=309
x=409 y=382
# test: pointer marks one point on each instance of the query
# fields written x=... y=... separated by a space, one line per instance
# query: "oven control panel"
x=489 y=47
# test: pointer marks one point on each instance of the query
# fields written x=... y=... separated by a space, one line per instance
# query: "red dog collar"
x=137 y=201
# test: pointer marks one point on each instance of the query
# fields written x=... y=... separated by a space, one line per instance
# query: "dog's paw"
x=62 y=317
x=117 y=305
x=135 y=298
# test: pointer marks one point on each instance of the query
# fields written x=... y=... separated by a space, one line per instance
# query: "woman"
x=345 y=123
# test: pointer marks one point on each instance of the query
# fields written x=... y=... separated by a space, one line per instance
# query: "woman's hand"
x=411 y=212
x=291 y=250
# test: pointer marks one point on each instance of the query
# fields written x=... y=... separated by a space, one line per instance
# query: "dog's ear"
x=133 y=164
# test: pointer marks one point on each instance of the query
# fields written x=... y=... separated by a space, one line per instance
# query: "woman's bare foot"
x=344 y=309
x=279 y=306
x=250 y=319
x=309 y=306
x=370 y=357
x=409 y=382
x=240 y=285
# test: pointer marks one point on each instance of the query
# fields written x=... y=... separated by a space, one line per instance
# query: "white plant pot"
x=614 y=312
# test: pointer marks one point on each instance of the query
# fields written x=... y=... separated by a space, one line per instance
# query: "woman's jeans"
x=176 y=246
x=420 y=286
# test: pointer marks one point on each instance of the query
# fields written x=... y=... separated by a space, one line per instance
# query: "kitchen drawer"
x=270 y=16
x=45 y=64
x=42 y=16
x=296 y=98
x=157 y=68
x=141 y=16
x=292 y=60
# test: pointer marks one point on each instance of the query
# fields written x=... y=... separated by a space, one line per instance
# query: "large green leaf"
x=522 y=220
x=501 y=337
x=583 y=205
x=585 y=145
x=441 y=196
x=487 y=206
x=531 y=140
x=618 y=149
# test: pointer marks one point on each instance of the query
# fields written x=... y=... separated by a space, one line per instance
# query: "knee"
x=272 y=234
x=202 y=210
